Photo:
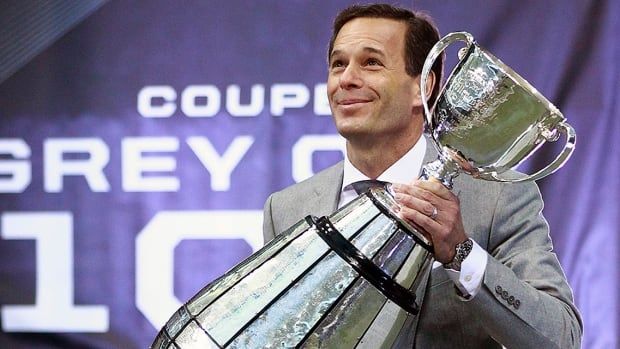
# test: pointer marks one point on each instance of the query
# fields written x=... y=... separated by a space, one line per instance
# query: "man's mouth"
x=352 y=101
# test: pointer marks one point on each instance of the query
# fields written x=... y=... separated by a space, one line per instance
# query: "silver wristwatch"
x=462 y=251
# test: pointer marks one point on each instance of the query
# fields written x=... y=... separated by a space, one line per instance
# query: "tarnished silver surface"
x=359 y=310
x=226 y=316
x=310 y=297
x=201 y=300
x=297 y=292
x=488 y=119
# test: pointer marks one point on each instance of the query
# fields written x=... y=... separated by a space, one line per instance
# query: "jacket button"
x=498 y=289
x=511 y=300
x=505 y=294
x=517 y=304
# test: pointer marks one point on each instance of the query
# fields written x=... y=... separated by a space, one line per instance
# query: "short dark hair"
x=420 y=36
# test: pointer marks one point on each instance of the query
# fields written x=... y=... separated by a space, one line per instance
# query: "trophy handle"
x=439 y=47
x=559 y=161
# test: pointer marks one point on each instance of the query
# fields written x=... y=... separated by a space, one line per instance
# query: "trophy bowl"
x=488 y=119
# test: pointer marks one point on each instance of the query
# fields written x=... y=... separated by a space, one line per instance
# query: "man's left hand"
x=418 y=200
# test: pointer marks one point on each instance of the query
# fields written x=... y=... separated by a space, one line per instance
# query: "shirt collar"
x=404 y=170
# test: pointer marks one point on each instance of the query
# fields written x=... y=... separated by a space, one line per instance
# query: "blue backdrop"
x=139 y=141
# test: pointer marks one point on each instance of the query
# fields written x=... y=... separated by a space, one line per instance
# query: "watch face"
x=462 y=251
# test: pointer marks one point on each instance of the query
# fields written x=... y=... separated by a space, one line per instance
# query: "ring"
x=434 y=214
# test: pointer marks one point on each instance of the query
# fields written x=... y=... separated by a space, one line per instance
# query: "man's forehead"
x=371 y=32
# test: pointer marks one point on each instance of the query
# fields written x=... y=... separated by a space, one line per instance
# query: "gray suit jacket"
x=505 y=220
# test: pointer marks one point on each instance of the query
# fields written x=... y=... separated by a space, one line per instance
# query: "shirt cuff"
x=469 y=279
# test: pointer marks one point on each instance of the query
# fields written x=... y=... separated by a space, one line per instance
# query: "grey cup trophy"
x=488 y=119
x=352 y=280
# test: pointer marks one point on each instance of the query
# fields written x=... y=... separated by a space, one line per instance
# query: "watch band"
x=462 y=251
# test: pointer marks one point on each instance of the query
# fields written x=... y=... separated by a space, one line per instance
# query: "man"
x=496 y=280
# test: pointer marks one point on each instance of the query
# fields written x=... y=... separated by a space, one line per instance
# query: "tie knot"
x=361 y=187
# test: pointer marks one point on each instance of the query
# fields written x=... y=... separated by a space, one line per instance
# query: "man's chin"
x=353 y=133
x=350 y=121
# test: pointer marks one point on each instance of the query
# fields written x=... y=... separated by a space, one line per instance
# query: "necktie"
x=361 y=187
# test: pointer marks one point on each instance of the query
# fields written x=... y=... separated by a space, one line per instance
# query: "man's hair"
x=420 y=36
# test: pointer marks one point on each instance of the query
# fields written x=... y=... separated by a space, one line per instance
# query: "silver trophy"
x=329 y=282
x=488 y=119
x=353 y=279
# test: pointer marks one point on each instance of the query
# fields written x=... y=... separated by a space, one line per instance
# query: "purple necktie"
x=361 y=187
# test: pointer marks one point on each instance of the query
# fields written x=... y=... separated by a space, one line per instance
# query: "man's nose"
x=351 y=77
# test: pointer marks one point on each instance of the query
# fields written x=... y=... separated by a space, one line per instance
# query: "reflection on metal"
x=488 y=119
x=300 y=291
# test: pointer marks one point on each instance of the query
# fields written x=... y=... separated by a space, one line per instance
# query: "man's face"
x=370 y=94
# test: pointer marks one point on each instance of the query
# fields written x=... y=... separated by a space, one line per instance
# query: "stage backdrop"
x=139 y=140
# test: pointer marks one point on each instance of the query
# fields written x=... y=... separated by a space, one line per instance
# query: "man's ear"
x=430 y=83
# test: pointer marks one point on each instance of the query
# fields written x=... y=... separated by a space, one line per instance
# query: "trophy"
x=353 y=279
x=488 y=119
x=329 y=282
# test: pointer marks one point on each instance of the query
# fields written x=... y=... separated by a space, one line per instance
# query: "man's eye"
x=373 y=61
x=337 y=64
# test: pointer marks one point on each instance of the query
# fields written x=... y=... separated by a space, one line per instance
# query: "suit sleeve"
x=525 y=300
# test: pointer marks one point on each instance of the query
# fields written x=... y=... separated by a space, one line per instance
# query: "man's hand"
x=419 y=200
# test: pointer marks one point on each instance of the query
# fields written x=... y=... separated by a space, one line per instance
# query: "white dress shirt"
x=405 y=170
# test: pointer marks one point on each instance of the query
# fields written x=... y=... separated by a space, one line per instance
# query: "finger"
x=415 y=203
x=420 y=219
x=434 y=187
x=417 y=191
x=403 y=188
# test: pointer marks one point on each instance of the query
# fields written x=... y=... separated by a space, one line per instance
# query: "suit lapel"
x=327 y=190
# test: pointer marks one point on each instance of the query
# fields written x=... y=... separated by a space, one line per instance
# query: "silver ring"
x=434 y=214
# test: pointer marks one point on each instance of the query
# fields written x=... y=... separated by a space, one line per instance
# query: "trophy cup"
x=488 y=119
x=352 y=280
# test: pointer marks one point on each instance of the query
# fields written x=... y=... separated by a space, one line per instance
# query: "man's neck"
x=373 y=158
